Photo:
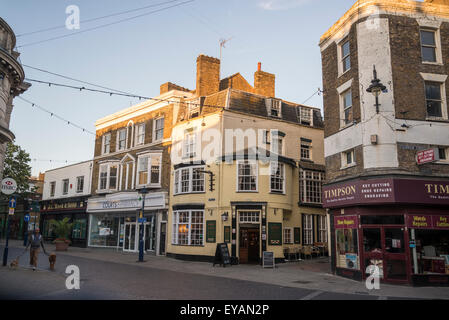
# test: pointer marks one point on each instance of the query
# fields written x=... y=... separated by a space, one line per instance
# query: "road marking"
x=312 y=295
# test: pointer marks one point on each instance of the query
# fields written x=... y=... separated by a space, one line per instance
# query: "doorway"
x=130 y=237
x=249 y=245
x=131 y=243
x=384 y=247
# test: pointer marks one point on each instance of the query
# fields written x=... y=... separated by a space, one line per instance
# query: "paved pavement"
x=112 y=274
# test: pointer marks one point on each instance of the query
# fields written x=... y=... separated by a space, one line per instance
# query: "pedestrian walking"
x=35 y=242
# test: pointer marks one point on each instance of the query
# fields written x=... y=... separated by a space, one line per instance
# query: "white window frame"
x=118 y=139
x=175 y=226
x=308 y=147
x=304 y=115
x=344 y=159
x=103 y=143
x=342 y=90
x=256 y=168
x=288 y=235
x=156 y=128
x=65 y=182
x=189 y=144
x=438 y=78
x=281 y=177
x=274 y=134
x=52 y=188
x=322 y=232
x=140 y=135
x=177 y=181
x=108 y=176
x=437 y=37
x=249 y=217
x=340 y=57
x=78 y=179
x=274 y=105
x=149 y=157
x=194 y=107
x=311 y=186
x=308 y=229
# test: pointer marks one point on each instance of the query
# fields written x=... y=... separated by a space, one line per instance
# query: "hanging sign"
x=9 y=186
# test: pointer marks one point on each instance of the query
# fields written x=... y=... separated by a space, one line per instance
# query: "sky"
x=140 y=54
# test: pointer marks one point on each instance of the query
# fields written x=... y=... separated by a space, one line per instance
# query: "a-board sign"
x=222 y=255
x=268 y=259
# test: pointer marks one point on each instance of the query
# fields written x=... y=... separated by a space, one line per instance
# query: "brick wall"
x=207 y=75
x=265 y=83
x=333 y=166
x=331 y=82
x=407 y=161
x=406 y=60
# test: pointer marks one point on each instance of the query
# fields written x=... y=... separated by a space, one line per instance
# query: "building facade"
x=11 y=85
x=132 y=155
x=247 y=170
x=65 y=194
x=387 y=140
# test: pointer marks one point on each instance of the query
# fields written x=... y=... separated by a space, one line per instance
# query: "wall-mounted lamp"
x=224 y=216
x=376 y=88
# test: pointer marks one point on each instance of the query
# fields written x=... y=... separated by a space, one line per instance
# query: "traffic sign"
x=9 y=186
x=26 y=218
x=142 y=220
x=12 y=202
x=11 y=211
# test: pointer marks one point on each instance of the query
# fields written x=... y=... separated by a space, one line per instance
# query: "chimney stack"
x=264 y=82
x=207 y=75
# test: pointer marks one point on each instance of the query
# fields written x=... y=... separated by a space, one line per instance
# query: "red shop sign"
x=346 y=222
x=428 y=222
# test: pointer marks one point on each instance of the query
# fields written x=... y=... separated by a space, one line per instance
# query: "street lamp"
x=376 y=88
x=143 y=192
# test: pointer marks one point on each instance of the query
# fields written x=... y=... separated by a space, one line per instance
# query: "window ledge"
x=282 y=193
x=446 y=162
x=244 y=191
x=187 y=193
x=437 y=119
x=343 y=73
x=105 y=191
x=346 y=126
x=348 y=166
x=433 y=63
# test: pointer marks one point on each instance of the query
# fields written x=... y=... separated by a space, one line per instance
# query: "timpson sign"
x=385 y=191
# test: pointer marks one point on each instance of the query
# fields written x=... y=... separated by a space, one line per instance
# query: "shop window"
x=347 y=248
x=372 y=240
x=188 y=228
x=79 y=229
x=394 y=240
x=432 y=250
x=104 y=231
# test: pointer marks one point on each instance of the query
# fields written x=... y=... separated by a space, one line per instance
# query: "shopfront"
x=401 y=226
x=72 y=208
x=114 y=222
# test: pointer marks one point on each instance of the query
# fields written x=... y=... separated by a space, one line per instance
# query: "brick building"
x=132 y=153
x=247 y=170
x=387 y=163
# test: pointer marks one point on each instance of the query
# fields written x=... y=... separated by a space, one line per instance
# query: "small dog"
x=52 y=260
x=14 y=264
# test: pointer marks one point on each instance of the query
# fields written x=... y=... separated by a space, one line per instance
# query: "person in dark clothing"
x=35 y=241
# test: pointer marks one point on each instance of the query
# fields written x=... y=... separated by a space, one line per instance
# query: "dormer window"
x=194 y=109
x=274 y=108
x=304 y=115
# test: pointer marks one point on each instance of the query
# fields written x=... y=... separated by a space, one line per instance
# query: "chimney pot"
x=259 y=66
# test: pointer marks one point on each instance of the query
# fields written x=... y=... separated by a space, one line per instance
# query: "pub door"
x=249 y=246
x=384 y=247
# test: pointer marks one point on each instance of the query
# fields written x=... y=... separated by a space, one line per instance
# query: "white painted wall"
x=71 y=173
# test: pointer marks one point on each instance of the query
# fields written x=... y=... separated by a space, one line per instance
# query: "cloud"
x=281 y=4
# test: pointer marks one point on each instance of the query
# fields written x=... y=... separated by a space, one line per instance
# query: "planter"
x=61 y=245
